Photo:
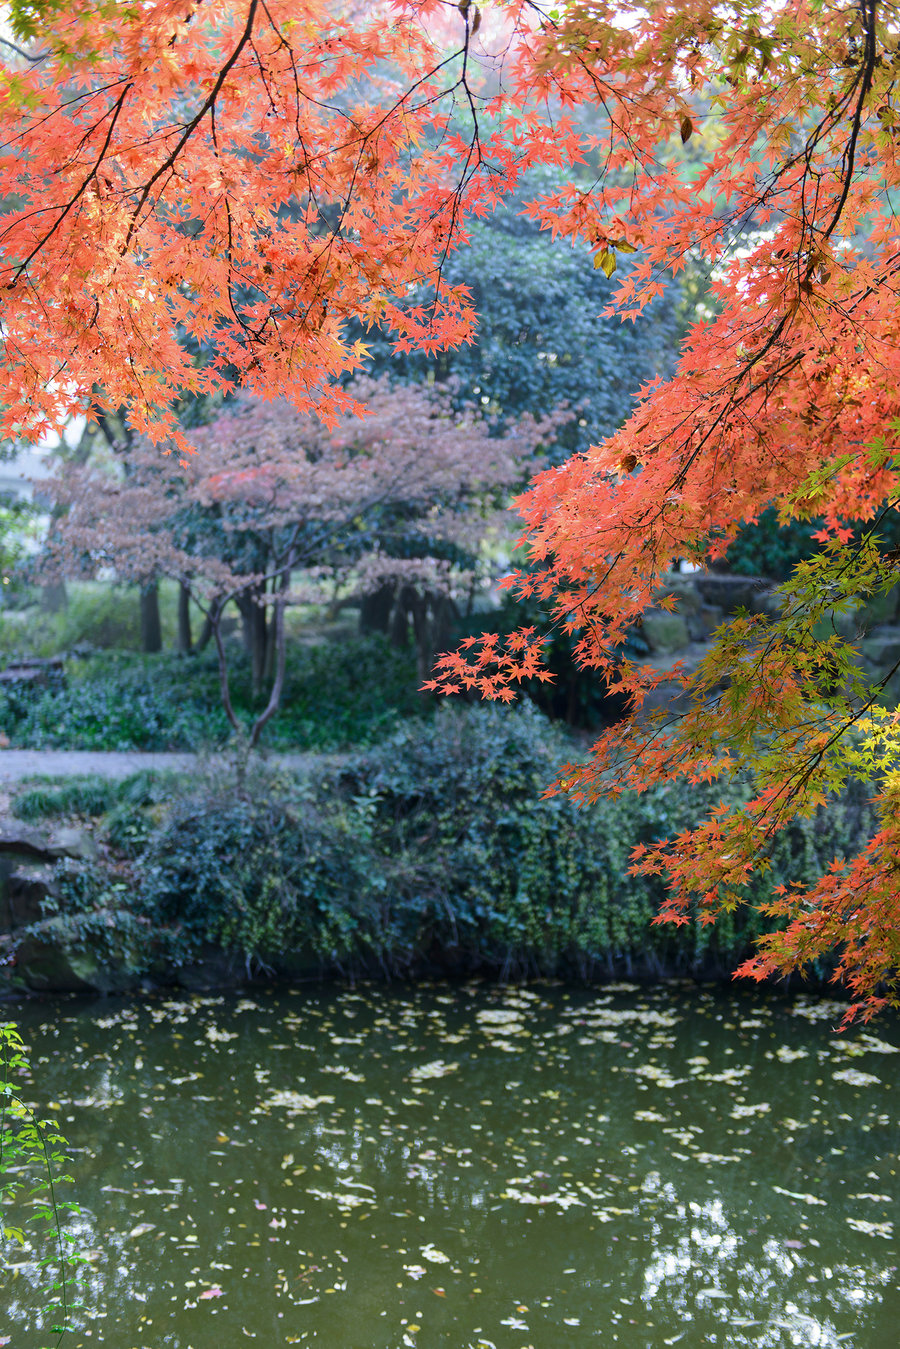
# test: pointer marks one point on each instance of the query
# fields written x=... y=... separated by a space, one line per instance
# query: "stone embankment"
x=28 y=859
x=704 y=600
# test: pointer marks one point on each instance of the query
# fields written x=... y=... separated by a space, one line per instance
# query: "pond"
x=471 y=1165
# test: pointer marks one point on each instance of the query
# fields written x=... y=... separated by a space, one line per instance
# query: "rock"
x=879 y=610
x=683 y=591
x=45 y=964
x=768 y=601
x=24 y=890
x=882 y=648
x=704 y=621
x=729 y=593
x=47 y=967
x=664 y=632
x=73 y=842
x=671 y=696
x=22 y=841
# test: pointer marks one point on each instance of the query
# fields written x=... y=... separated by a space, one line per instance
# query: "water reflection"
x=473 y=1166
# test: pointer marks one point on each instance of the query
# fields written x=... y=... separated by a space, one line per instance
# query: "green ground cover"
x=338 y=693
x=431 y=852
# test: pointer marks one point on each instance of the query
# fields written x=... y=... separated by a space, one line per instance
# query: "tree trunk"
x=185 y=637
x=375 y=609
x=54 y=597
x=398 y=624
x=272 y=624
x=433 y=616
x=206 y=633
x=151 y=627
x=253 y=618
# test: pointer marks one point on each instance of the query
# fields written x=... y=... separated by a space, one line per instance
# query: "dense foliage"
x=542 y=339
x=337 y=694
x=434 y=851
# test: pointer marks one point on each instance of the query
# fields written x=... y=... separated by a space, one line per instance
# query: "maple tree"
x=273 y=507
x=246 y=177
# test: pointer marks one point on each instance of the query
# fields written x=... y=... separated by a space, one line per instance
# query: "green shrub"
x=435 y=850
x=84 y=796
x=336 y=694
x=262 y=876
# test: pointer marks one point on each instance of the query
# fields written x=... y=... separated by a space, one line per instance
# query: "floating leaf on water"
x=804 y=1198
x=141 y=1229
x=869 y=1044
x=292 y=1101
x=855 y=1078
x=746 y=1111
x=437 y=1068
x=345 y=1202
x=508 y=1021
x=346 y=1073
x=786 y=1055
x=215 y=1291
x=818 y=1009
x=871 y=1229
x=434 y=1255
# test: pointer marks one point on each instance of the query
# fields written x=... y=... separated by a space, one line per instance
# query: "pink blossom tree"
x=271 y=506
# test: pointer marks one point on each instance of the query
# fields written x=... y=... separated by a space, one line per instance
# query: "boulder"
x=46 y=966
x=24 y=890
x=688 y=600
x=20 y=840
x=703 y=622
x=664 y=632
x=768 y=601
x=73 y=842
x=879 y=609
x=729 y=593
x=882 y=648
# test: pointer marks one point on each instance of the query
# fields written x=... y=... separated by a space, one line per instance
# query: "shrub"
x=336 y=694
x=434 y=850
x=85 y=796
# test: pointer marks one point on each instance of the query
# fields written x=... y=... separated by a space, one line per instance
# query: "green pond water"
x=471 y=1166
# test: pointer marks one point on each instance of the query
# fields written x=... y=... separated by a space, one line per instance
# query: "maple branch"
x=280 y=655
x=115 y=111
x=191 y=126
x=26 y=56
x=867 y=10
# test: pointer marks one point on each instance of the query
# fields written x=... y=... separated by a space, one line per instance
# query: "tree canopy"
x=542 y=339
x=253 y=176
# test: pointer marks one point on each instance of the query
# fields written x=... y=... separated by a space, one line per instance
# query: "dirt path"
x=18 y=764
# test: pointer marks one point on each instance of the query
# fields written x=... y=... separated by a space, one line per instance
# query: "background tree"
x=541 y=338
x=273 y=506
